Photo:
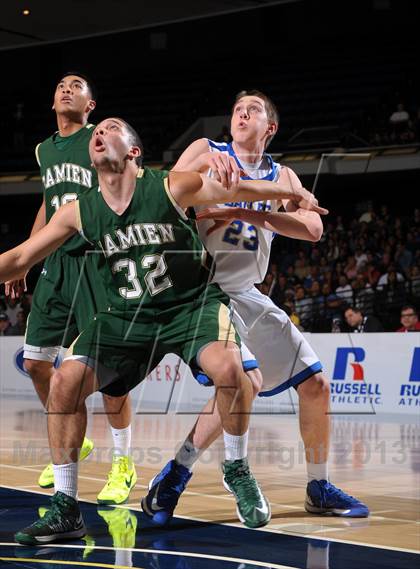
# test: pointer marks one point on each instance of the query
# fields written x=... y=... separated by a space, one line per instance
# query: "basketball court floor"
x=377 y=459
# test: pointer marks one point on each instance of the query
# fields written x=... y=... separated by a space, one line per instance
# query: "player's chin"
x=99 y=159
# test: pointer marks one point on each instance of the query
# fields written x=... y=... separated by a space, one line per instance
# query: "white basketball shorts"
x=284 y=356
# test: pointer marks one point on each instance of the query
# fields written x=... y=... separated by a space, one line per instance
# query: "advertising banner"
x=369 y=373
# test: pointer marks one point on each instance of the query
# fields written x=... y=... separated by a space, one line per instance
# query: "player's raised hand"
x=222 y=216
x=224 y=168
x=306 y=200
x=15 y=288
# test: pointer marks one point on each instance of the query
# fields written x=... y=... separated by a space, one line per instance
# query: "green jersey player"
x=66 y=296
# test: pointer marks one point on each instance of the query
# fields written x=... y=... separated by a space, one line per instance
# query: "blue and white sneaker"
x=322 y=497
x=164 y=492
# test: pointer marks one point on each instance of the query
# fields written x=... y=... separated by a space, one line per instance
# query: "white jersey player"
x=241 y=251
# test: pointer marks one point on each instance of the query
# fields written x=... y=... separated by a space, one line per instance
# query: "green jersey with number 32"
x=66 y=173
x=150 y=255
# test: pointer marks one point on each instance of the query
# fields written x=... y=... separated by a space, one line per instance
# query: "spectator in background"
x=313 y=276
x=361 y=258
x=20 y=327
x=368 y=215
x=409 y=319
x=413 y=284
x=317 y=300
x=4 y=324
x=394 y=289
x=280 y=288
x=292 y=279
x=344 y=291
x=363 y=294
x=12 y=308
x=411 y=244
x=384 y=279
x=289 y=308
x=372 y=274
x=399 y=121
x=332 y=303
x=350 y=270
x=403 y=257
x=300 y=270
x=361 y=323
x=268 y=284
x=303 y=305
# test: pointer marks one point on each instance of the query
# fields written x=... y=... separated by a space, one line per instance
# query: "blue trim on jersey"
x=227 y=147
x=248 y=365
x=203 y=379
x=222 y=146
x=273 y=169
x=293 y=381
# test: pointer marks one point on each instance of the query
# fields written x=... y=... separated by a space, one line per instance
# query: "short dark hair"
x=355 y=309
x=91 y=85
x=409 y=307
x=135 y=140
x=270 y=107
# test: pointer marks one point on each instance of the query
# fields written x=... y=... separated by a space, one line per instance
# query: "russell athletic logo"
x=349 y=385
x=18 y=361
x=410 y=392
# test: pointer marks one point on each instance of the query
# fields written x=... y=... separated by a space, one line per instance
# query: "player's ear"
x=272 y=129
x=134 y=153
x=91 y=105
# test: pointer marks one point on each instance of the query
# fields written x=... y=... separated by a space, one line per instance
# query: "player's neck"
x=117 y=188
x=70 y=125
x=251 y=153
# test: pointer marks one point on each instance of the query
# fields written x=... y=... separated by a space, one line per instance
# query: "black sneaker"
x=62 y=521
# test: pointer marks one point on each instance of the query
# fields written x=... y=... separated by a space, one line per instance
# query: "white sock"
x=122 y=441
x=188 y=454
x=317 y=471
x=236 y=446
x=65 y=478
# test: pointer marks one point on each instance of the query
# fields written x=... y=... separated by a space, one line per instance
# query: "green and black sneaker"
x=252 y=506
x=62 y=521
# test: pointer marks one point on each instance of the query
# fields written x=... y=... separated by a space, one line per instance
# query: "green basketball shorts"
x=123 y=348
x=66 y=298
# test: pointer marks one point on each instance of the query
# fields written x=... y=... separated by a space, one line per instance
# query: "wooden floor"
x=376 y=459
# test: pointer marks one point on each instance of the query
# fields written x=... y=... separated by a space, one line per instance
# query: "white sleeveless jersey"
x=241 y=251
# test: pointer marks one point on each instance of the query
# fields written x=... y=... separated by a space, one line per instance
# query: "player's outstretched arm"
x=19 y=260
x=190 y=160
x=294 y=225
x=310 y=221
x=190 y=189
x=16 y=287
x=40 y=219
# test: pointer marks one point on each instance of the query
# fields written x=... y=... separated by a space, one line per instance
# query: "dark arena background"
x=345 y=79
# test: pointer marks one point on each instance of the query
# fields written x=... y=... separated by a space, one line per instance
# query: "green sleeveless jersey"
x=151 y=256
x=66 y=173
